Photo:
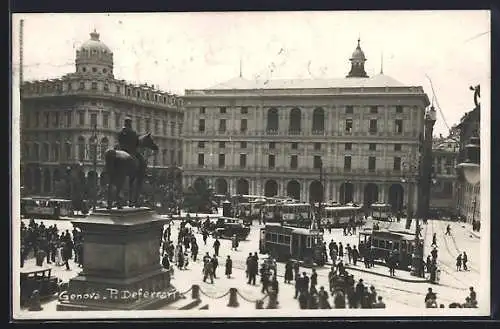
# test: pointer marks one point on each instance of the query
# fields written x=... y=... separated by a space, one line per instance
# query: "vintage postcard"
x=251 y=164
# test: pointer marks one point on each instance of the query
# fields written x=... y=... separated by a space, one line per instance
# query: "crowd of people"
x=431 y=300
x=46 y=244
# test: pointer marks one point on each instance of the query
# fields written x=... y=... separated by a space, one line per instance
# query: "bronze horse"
x=120 y=164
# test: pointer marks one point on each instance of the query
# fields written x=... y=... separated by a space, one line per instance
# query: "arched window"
x=318 y=122
x=272 y=120
x=81 y=148
x=104 y=146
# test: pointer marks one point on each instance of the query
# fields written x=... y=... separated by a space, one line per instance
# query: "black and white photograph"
x=250 y=164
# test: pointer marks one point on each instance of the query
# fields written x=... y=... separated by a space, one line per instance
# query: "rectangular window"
x=56 y=119
x=349 y=109
x=118 y=120
x=202 y=110
x=373 y=126
x=399 y=109
x=397 y=164
x=105 y=120
x=82 y=85
x=295 y=146
x=373 y=109
x=243 y=145
x=371 y=164
x=272 y=145
x=243 y=125
x=222 y=160
x=172 y=129
x=348 y=146
x=148 y=125
x=243 y=160
x=222 y=145
x=157 y=127
x=94 y=85
x=294 y=162
x=165 y=128
x=347 y=163
x=93 y=119
x=37 y=119
x=244 y=110
x=172 y=156
x=222 y=110
x=397 y=147
x=271 y=161
x=348 y=126
x=201 y=145
x=317 y=146
x=201 y=125
x=201 y=160
x=81 y=118
x=68 y=119
x=398 y=126
x=47 y=119
x=106 y=87
x=222 y=125
x=372 y=147
x=317 y=163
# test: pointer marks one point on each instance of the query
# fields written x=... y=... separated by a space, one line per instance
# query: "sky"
x=179 y=51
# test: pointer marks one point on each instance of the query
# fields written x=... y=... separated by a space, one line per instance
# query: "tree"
x=198 y=198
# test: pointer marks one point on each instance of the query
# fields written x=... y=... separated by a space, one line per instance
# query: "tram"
x=383 y=242
x=227 y=227
x=296 y=214
x=340 y=216
x=46 y=208
x=381 y=211
x=285 y=242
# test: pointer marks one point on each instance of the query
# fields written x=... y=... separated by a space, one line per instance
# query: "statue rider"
x=128 y=140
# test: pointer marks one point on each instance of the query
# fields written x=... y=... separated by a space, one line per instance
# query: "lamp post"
x=94 y=150
x=322 y=194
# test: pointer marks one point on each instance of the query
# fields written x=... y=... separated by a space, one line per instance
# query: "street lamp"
x=94 y=143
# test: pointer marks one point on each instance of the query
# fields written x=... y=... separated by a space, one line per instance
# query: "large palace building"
x=62 y=119
x=350 y=139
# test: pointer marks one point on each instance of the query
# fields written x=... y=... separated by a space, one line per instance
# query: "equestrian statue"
x=127 y=161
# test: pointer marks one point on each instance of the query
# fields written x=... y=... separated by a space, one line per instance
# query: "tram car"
x=39 y=279
x=284 y=242
x=381 y=211
x=46 y=208
x=384 y=241
x=227 y=227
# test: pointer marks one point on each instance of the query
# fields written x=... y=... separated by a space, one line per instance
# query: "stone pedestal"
x=121 y=263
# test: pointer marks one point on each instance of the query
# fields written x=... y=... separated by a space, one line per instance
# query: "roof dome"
x=358 y=54
x=95 y=44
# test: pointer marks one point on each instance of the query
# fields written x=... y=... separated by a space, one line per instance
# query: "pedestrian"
x=216 y=247
x=66 y=254
x=459 y=262
x=355 y=255
x=305 y=282
x=428 y=263
x=448 y=230
x=314 y=280
x=264 y=278
x=339 y=299
x=379 y=304
x=464 y=261
x=434 y=240
x=215 y=264
x=349 y=253
x=430 y=295
x=204 y=236
x=249 y=259
x=472 y=295
x=288 y=271
x=194 y=251
x=208 y=271
x=323 y=299
x=165 y=262
x=298 y=285
x=341 y=251
x=252 y=270
x=229 y=267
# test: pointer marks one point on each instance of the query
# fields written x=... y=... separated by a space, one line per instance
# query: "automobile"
x=227 y=227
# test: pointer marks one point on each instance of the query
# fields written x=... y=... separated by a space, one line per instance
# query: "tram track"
x=446 y=268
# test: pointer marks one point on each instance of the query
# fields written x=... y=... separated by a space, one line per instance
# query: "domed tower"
x=358 y=60
x=94 y=57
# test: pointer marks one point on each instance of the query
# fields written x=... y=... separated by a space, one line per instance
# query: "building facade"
x=63 y=119
x=274 y=137
x=468 y=193
x=443 y=194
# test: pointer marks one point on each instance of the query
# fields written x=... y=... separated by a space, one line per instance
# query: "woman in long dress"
x=59 y=260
